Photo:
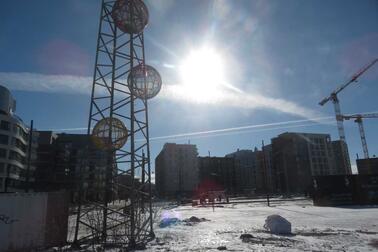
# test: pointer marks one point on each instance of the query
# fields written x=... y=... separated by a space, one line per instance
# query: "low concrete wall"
x=32 y=220
x=337 y=190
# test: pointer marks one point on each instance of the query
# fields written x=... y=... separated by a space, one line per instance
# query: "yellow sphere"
x=110 y=134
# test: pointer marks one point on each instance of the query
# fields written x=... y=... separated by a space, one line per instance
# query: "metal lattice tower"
x=122 y=85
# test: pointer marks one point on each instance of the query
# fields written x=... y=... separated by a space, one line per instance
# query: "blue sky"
x=283 y=57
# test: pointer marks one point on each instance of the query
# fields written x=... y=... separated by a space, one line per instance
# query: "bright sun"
x=202 y=74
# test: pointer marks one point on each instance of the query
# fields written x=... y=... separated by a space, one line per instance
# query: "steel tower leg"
x=109 y=169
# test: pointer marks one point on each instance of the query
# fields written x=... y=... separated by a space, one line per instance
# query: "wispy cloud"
x=222 y=97
x=161 y=6
x=242 y=100
x=46 y=83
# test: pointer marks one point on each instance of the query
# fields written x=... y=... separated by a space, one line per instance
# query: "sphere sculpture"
x=144 y=81
x=130 y=16
x=119 y=133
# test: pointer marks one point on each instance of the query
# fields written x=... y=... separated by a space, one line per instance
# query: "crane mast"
x=359 y=121
x=333 y=97
x=339 y=118
x=363 y=137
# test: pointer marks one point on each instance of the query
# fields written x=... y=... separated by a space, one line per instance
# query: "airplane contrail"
x=243 y=128
x=248 y=128
x=230 y=129
x=233 y=132
x=66 y=129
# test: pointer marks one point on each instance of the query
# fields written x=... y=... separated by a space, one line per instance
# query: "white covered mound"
x=276 y=224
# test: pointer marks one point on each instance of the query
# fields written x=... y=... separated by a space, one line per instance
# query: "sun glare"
x=202 y=74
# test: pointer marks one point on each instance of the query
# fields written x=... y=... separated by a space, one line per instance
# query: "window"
x=20 y=131
x=2 y=168
x=25 y=135
x=19 y=144
x=15 y=128
x=13 y=169
x=3 y=153
x=4 y=125
x=4 y=139
x=16 y=156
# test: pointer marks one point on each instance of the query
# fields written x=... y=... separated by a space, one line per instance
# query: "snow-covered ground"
x=313 y=228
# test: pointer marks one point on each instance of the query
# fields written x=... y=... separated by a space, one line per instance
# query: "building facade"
x=16 y=172
x=264 y=174
x=245 y=171
x=367 y=166
x=64 y=160
x=341 y=156
x=217 y=174
x=253 y=171
x=176 y=170
x=299 y=156
x=45 y=176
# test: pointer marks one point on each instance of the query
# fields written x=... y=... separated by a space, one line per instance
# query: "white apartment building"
x=14 y=142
